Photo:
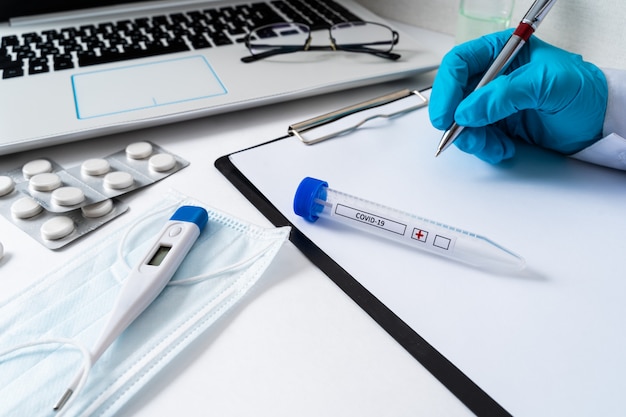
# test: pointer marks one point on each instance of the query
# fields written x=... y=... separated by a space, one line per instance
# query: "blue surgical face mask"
x=46 y=331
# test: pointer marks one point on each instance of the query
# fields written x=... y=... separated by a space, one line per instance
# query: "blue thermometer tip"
x=191 y=214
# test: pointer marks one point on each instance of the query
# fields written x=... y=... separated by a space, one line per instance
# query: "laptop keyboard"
x=70 y=47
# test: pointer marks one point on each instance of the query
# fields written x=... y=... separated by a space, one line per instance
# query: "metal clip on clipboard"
x=350 y=118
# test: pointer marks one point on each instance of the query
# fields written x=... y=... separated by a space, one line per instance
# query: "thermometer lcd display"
x=159 y=255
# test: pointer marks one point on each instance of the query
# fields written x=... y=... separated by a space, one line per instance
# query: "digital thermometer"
x=147 y=279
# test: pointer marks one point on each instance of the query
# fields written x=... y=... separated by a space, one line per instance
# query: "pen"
x=522 y=33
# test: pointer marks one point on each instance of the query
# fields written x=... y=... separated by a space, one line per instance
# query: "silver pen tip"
x=64 y=399
x=448 y=137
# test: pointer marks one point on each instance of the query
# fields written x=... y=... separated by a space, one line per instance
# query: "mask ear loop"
x=233 y=267
x=79 y=380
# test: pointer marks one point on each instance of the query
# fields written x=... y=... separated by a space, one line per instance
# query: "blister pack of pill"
x=56 y=206
x=139 y=165
x=54 y=230
x=53 y=187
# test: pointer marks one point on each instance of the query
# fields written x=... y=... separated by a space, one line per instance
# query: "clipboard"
x=545 y=342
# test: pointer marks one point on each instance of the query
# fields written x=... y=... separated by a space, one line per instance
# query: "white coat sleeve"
x=610 y=151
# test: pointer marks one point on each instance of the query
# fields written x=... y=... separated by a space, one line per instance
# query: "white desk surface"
x=297 y=345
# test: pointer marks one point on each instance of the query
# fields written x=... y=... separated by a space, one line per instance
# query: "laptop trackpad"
x=135 y=87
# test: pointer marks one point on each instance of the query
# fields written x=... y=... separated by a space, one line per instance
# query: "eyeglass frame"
x=280 y=50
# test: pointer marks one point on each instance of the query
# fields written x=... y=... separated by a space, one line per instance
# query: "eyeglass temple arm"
x=275 y=51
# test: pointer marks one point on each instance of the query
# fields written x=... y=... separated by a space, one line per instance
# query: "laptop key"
x=12 y=72
x=221 y=39
x=8 y=62
x=24 y=51
x=63 y=61
x=47 y=49
x=199 y=42
x=38 y=65
x=11 y=40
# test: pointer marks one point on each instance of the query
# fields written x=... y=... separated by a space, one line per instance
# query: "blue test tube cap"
x=191 y=214
x=308 y=191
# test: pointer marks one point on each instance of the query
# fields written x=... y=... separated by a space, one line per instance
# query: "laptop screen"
x=18 y=8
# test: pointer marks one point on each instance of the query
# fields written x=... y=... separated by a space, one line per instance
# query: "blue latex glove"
x=547 y=96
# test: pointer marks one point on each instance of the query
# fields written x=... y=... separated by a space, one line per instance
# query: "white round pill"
x=118 y=180
x=57 y=228
x=162 y=162
x=67 y=196
x=6 y=185
x=95 y=166
x=139 y=150
x=45 y=182
x=25 y=207
x=38 y=166
x=99 y=209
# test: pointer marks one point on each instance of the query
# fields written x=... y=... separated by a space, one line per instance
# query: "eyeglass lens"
x=358 y=35
x=278 y=36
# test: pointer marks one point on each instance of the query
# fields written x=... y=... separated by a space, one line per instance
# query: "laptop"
x=64 y=79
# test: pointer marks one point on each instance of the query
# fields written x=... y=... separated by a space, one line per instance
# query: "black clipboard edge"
x=461 y=386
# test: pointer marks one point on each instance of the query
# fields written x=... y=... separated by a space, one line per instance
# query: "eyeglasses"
x=284 y=38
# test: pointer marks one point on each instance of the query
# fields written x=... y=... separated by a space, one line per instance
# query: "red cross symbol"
x=419 y=234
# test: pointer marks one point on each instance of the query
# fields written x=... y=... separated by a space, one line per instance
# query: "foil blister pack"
x=56 y=206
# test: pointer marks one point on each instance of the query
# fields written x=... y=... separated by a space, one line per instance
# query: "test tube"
x=313 y=199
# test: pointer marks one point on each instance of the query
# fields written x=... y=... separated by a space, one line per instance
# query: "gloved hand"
x=547 y=96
